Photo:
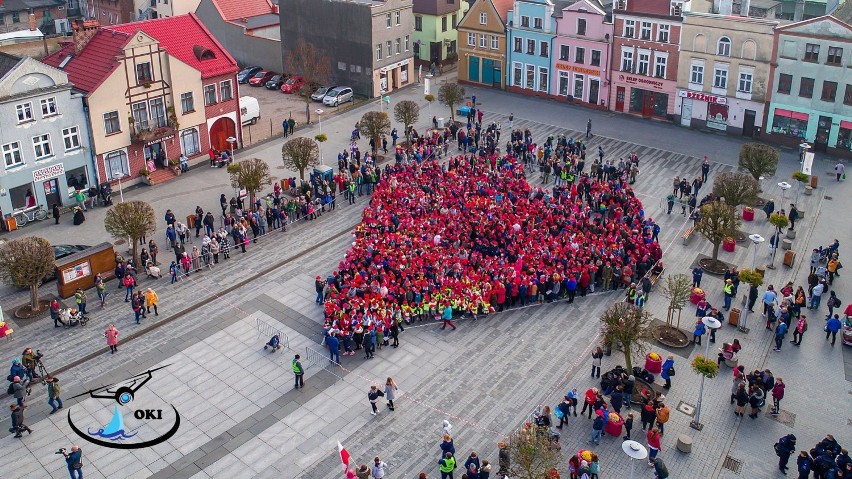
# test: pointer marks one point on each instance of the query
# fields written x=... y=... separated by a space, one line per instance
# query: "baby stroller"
x=151 y=270
x=274 y=343
x=72 y=317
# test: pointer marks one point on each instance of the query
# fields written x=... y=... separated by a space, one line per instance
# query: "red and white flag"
x=344 y=455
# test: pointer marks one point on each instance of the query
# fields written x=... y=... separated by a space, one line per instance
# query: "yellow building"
x=482 y=43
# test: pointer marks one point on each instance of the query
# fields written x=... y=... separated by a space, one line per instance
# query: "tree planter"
x=791 y=234
x=614 y=426
x=654 y=366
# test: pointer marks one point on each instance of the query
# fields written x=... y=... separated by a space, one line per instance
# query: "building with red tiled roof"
x=155 y=90
x=249 y=29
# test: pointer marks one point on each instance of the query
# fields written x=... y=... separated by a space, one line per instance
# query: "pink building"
x=581 y=53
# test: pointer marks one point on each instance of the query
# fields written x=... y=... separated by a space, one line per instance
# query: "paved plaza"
x=241 y=417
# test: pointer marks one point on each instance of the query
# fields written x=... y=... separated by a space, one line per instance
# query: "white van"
x=249 y=110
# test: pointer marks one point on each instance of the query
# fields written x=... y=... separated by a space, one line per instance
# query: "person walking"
x=19 y=421
x=378 y=468
x=597 y=358
x=840 y=170
x=589 y=128
x=373 y=396
x=111 y=335
x=777 y=395
x=151 y=300
x=660 y=470
x=137 y=303
x=597 y=429
x=654 y=446
x=74 y=460
x=333 y=345
x=668 y=371
x=447 y=317
x=390 y=392
x=832 y=326
x=783 y=449
x=53 y=393
x=100 y=287
x=780 y=332
x=298 y=371
x=447 y=465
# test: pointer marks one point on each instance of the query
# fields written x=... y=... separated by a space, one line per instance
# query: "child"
x=573 y=467
x=594 y=467
x=628 y=425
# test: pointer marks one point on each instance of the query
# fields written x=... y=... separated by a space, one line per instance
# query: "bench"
x=687 y=235
x=655 y=277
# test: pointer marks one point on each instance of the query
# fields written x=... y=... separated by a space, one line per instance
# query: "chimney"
x=726 y=7
x=84 y=30
x=745 y=7
x=32 y=20
x=799 y=12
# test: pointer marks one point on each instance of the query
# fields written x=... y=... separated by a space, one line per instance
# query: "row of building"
x=726 y=66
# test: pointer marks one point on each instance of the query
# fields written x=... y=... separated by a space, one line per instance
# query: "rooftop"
x=7 y=63
x=88 y=69
x=235 y=10
x=844 y=12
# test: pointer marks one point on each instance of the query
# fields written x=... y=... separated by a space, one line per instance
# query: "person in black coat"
x=783 y=448
x=804 y=464
x=79 y=217
x=56 y=213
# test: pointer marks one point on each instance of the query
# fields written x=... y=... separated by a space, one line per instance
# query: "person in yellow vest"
x=298 y=371
x=729 y=293
x=447 y=465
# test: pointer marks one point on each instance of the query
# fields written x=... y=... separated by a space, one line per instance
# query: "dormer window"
x=143 y=73
x=202 y=53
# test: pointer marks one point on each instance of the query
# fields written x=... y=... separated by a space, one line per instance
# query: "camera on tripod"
x=61 y=450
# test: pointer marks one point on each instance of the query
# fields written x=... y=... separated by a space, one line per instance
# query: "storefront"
x=578 y=83
x=844 y=136
x=700 y=110
x=47 y=185
x=649 y=97
x=789 y=123
x=389 y=78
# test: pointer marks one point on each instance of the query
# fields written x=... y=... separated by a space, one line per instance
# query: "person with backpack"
x=783 y=448
x=833 y=302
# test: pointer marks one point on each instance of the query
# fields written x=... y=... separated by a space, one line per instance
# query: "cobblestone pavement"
x=485 y=378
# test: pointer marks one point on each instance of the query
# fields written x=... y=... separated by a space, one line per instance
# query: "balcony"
x=151 y=133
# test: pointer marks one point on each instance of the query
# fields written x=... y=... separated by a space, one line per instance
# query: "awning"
x=800 y=116
x=846 y=124
x=784 y=113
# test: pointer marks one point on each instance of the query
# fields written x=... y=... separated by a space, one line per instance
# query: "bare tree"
x=736 y=189
x=626 y=324
x=132 y=219
x=533 y=455
x=24 y=262
x=406 y=112
x=677 y=290
x=758 y=159
x=373 y=125
x=300 y=153
x=718 y=221
x=312 y=64
x=252 y=174
x=451 y=94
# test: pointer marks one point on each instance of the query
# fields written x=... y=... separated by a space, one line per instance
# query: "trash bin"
x=814 y=181
x=11 y=223
x=734 y=316
x=789 y=258
x=440 y=122
x=190 y=221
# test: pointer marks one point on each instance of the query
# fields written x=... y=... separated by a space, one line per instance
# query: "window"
x=41 y=146
x=744 y=85
x=531 y=77
x=806 y=88
x=645 y=32
x=835 y=56
x=544 y=49
x=388 y=20
x=455 y=21
x=663 y=33
x=542 y=78
x=578 y=86
x=418 y=23
x=143 y=73
x=187 y=104
x=389 y=48
x=720 y=77
x=116 y=165
x=12 y=155
x=495 y=42
x=518 y=43
x=16 y=17
x=407 y=43
x=398 y=46
x=581 y=26
x=829 y=91
x=378 y=51
x=530 y=47
x=24 y=111
x=525 y=21
x=48 y=106
x=111 y=123
x=209 y=95
x=398 y=18
x=564 y=51
x=563 y=83
x=483 y=40
x=517 y=74
x=697 y=74
x=811 y=52
x=341 y=66
x=644 y=63
x=660 y=66
x=723 y=48
x=579 y=55
x=190 y=143
x=627 y=61
x=71 y=138
x=630 y=28
x=140 y=113
x=225 y=92
x=596 y=58
x=789 y=49
x=785 y=83
x=158 y=112
x=443 y=24
x=538 y=23
x=847 y=97
x=483 y=19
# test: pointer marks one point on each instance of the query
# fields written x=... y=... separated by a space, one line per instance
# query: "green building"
x=435 y=30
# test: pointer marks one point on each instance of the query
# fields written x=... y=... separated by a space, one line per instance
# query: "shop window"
x=847 y=96
x=787 y=126
x=543 y=79
x=76 y=178
x=116 y=165
x=530 y=77
x=517 y=75
x=190 y=143
x=844 y=138
x=636 y=100
x=811 y=52
x=806 y=88
x=723 y=48
x=829 y=91
x=563 y=83
x=12 y=156
x=18 y=195
x=579 y=82
x=785 y=83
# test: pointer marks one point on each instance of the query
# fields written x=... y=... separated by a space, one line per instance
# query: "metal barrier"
x=266 y=330
x=321 y=359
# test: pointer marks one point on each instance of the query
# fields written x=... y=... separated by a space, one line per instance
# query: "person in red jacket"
x=585 y=279
x=653 y=444
x=589 y=401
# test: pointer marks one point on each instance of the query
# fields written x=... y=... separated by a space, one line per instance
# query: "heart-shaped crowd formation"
x=477 y=236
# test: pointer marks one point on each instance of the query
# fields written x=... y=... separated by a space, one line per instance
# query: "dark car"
x=244 y=75
x=275 y=82
x=61 y=251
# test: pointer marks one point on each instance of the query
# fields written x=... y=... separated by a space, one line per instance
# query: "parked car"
x=292 y=85
x=244 y=76
x=61 y=251
x=249 y=110
x=338 y=95
x=275 y=82
x=320 y=93
x=260 y=78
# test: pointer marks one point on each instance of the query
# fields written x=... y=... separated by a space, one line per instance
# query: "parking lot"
x=275 y=107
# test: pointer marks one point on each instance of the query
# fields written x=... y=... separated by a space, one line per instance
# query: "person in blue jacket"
x=667 y=365
x=832 y=326
x=697 y=333
x=571 y=288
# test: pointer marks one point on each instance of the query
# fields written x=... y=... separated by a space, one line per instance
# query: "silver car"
x=321 y=92
x=339 y=95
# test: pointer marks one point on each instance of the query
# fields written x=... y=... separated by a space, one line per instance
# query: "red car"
x=292 y=85
x=260 y=78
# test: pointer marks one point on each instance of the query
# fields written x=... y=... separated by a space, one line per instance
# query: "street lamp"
x=118 y=177
x=634 y=451
x=711 y=323
x=319 y=112
x=784 y=187
x=231 y=141
x=776 y=241
x=757 y=240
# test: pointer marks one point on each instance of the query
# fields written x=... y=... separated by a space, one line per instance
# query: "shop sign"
x=578 y=69
x=48 y=172
x=717 y=116
x=634 y=80
x=696 y=95
x=403 y=63
x=169 y=137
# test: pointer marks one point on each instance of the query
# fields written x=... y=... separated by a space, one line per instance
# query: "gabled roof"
x=503 y=7
x=236 y=9
x=23 y=5
x=180 y=36
x=844 y=12
x=94 y=63
x=7 y=63
x=829 y=18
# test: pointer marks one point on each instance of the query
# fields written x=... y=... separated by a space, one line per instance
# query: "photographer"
x=74 y=460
